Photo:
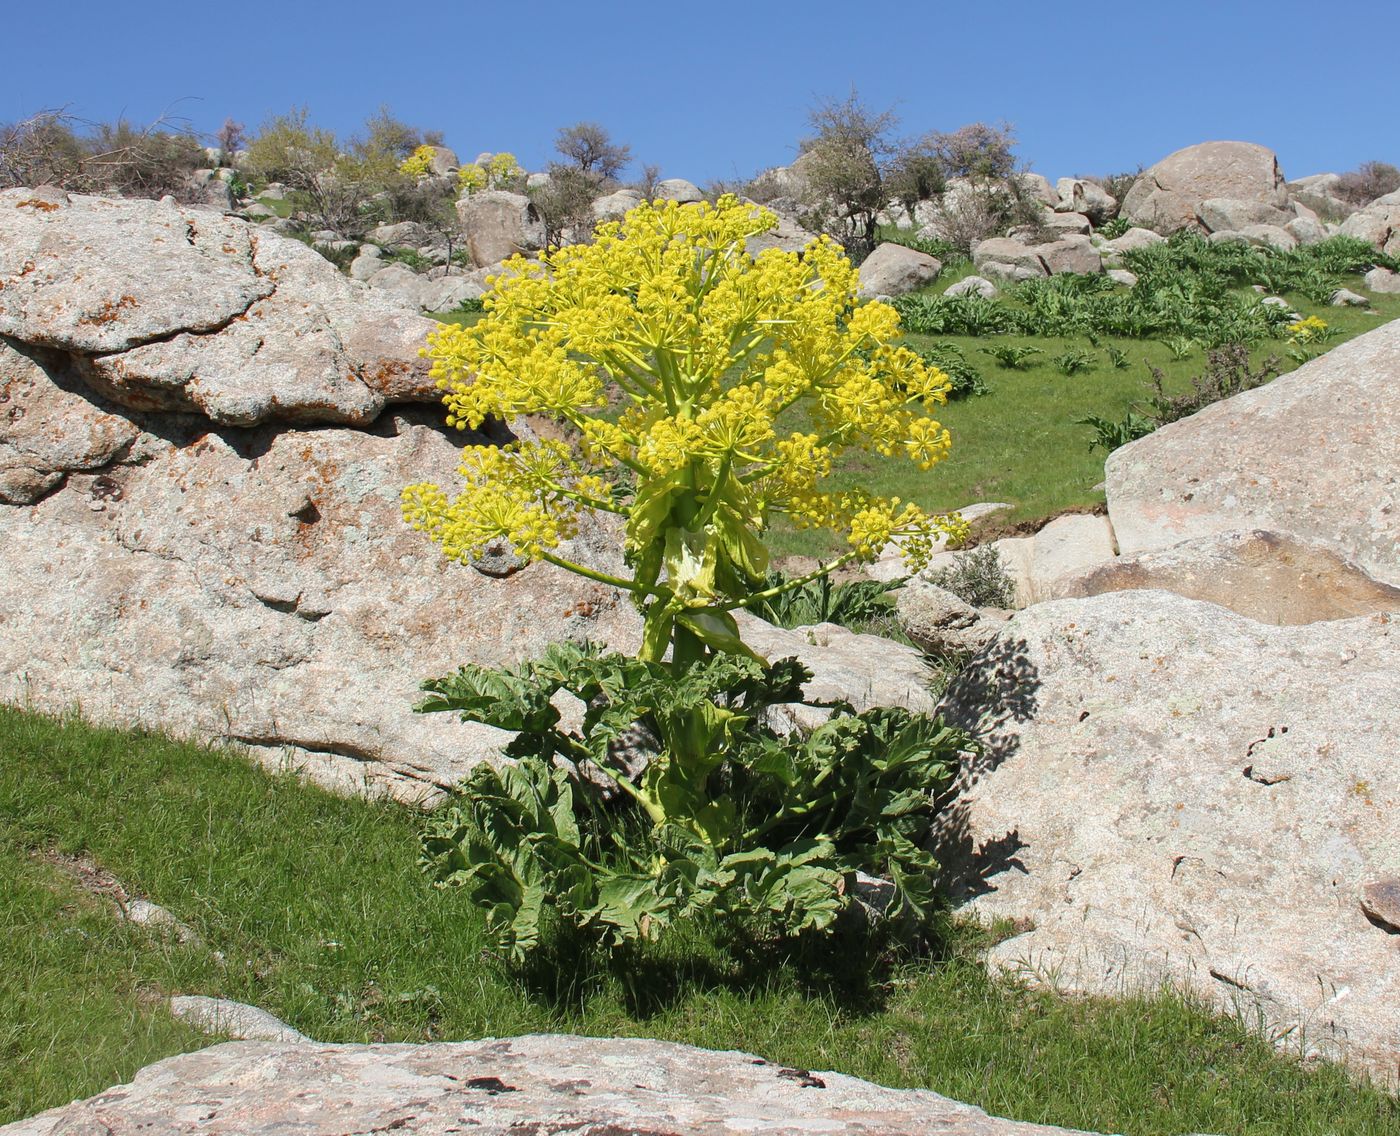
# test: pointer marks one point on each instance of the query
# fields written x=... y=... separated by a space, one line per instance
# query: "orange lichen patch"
x=35 y=203
x=109 y=312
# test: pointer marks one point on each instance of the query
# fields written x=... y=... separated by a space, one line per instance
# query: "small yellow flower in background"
x=1307 y=330
x=419 y=163
x=707 y=348
x=470 y=178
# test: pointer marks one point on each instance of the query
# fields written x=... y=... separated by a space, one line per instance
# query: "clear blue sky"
x=708 y=90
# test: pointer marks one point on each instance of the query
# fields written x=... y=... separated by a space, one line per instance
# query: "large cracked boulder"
x=1168 y=196
x=199 y=500
x=1172 y=792
x=536 y=1084
x=498 y=225
x=171 y=308
x=1314 y=455
x=893 y=270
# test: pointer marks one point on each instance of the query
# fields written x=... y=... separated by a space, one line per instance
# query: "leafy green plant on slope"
x=727 y=820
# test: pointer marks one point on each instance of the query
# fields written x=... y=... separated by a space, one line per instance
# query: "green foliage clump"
x=964 y=380
x=978 y=577
x=856 y=604
x=1010 y=356
x=727 y=820
x=1073 y=361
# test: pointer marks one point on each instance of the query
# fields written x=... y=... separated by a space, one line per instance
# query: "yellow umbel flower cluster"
x=735 y=383
x=500 y=169
x=1307 y=330
x=419 y=163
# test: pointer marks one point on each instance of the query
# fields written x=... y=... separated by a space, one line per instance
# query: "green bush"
x=856 y=604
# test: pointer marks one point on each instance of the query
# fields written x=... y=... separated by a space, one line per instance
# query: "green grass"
x=1020 y=443
x=322 y=917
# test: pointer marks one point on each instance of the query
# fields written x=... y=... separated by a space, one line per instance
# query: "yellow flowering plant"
x=419 y=163
x=679 y=358
x=500 y=169
x=706 y=348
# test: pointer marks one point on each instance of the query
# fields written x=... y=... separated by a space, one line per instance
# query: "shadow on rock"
x=994 y=694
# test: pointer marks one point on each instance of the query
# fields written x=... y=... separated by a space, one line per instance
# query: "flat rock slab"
x=1314 y=455
x=540 y=1085
x=1174 y=792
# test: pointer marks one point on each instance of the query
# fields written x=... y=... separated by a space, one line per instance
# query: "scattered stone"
x=977 y=284
x=1268 y=459
x=1173 y=792
x=678 y=189
x=1269 y=236
x=223 y=1018
x=1122 y=276
x=400 y=236
x=504 y=1087
x=1075 y=195
x=893 y=270
x=1135 y=238
x=1383 y=280
x=1307 y=230
x=939 y=622
x=1346 y=298
x=1066 y=548
x=1038 y=186
x=612 y=206
x=1167 y=197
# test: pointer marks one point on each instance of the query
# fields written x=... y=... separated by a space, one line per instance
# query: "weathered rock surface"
x=1378 y=223
x=498 y=225
x=1079 y=196
x=182 y=552
x=1217 y=213
x=978 y=284
x=678 y=189
x=893 y=270
x=1383 y=280
x=938 y=621
x=1009 y=258
x=169 y=309
x=261 y=587
x=236 y=1020
x=1313 y=455
x=1167 y=197
x=1272 y=578
x=535 y=1084
x=1170 y=790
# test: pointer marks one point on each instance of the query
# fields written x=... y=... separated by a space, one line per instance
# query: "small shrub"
x=1180 y=347
x=409 y=258
x=471 y=305
x=1227 y=373
x=978 y=577
x=1117 y=358
x=1367 y=182
x=1112 y=230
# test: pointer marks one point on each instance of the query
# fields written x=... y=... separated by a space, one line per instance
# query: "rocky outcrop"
x=1172 y=792
x=1312 y=455
x=1008 y=258
x=537 y=1085
x=1378 y=223
x=1167 y=197
x=1076 y=195
x=200 y=488
x=163 y=308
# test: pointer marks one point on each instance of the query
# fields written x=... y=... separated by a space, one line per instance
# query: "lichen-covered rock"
x=1313 y=455
x=538 y=1084
x=1171 y=791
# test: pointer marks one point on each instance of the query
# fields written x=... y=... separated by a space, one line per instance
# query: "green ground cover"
x=322 y=917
